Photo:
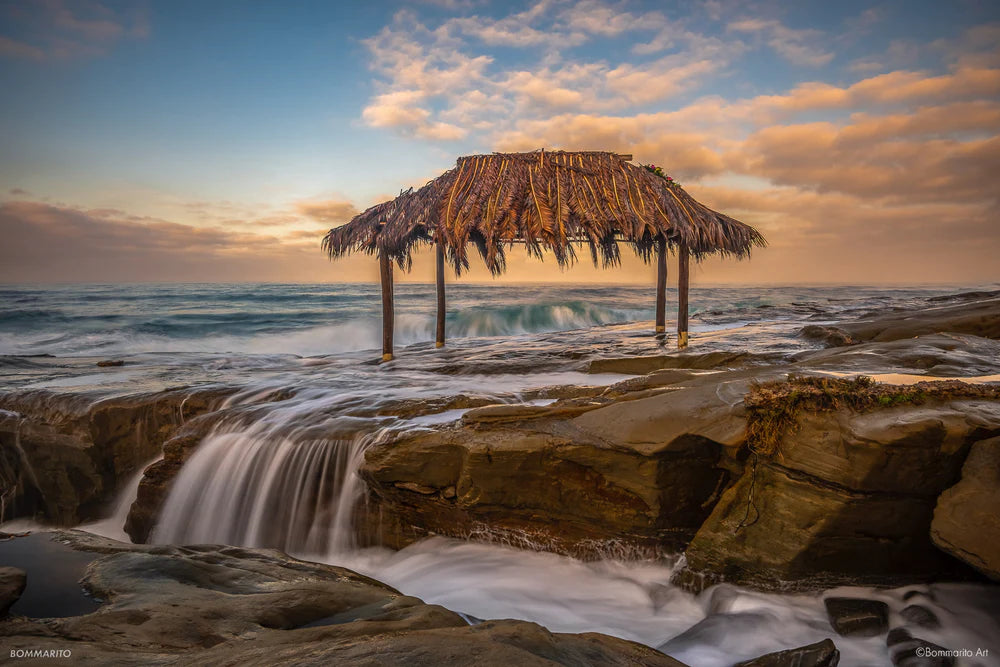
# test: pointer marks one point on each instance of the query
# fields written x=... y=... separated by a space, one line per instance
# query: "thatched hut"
x=547 y=201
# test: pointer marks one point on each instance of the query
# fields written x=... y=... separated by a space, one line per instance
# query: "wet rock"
x=915 y=652
x=654 y=380
x=408 y=408
x=639 y=473
x=967 y=516
x=829 y=336
x=848 y=499
x=903 y=649
x=857 y=617
x=690 y=360
x=975 y=317
x=229 y=605
x=820 y=654
x=108 y=363
x=975 y=295
x=560 y=490
x=517 y=412
x=941 y=355
x=897 y=636
x=920 y=615
x=708 y=406
x=12 y=583
x=63 y=456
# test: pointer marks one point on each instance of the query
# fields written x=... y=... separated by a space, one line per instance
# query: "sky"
x=218 y=141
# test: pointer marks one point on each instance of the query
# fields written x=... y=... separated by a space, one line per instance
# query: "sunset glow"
x=184 y=141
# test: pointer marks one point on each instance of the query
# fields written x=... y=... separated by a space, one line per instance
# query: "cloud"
x=798 y=46
x=597 y=18
x=330 y=211
x=58 y=243
x=898 y=185
x=59 y=30
x=513 y=30
x=396 y=109
x=833 y=236
x=876 y=158
x=899 y=89
x=649 y=137
x=446 y=81
x=657 y=80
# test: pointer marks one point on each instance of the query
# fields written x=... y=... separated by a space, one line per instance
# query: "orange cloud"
x=333 y=211
x=898 y=87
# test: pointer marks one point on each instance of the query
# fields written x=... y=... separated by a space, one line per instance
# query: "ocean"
x=325 y=319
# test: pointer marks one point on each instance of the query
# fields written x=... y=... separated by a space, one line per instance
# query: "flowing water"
x=279 y=466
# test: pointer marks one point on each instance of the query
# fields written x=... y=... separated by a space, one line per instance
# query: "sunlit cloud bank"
x=45 y=243
x=864 y=151
x=885 y=176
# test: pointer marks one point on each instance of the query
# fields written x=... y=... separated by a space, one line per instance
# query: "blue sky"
x=856 y=135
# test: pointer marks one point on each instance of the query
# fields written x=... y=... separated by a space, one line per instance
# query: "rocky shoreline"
x=855 y=485
x=217 y=605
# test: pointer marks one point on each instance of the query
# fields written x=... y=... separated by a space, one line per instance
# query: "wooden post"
x=385 y=273
x=661 y=285
x=683 y=269
x=439 y=341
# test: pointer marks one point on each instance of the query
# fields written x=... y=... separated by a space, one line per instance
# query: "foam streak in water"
x=265 y=485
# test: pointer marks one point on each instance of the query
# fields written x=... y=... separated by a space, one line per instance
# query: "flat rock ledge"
x=845 y=494
x=219 y=605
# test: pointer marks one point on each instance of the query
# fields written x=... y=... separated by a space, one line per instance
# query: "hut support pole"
x=661 y=285
x=683 y=269
x=441 y=310
x=385 y=273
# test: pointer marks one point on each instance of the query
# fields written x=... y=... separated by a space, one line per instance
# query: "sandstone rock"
x=916 y=652
x=708 y=407
x=847 y=499
x=967 y=517
x=567 y=484
x=218 y=605
x=820 y=654
x=857 y=617
x=921 y=616
x=518 y=412
x=829 y=336
x=12 y=583
x=637 y=365
x=65 y=455
x=941 y=355
x=977 y=317
x=654 y=380
x=416 y=488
